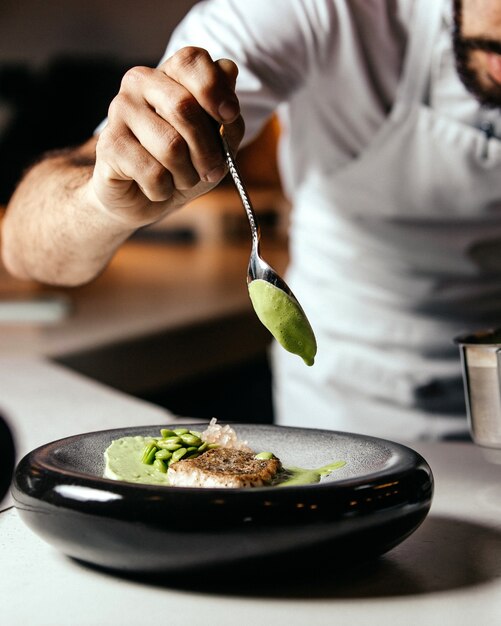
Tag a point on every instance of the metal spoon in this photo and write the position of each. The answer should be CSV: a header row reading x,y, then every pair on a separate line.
x,y
279,310
257,268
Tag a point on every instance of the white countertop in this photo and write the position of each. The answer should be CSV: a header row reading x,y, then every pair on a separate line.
x,y
42,401
447,572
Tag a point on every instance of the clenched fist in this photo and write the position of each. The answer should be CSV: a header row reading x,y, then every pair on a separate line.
x,y
161,147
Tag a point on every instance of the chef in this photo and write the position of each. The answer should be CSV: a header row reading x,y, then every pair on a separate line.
x,y
389,153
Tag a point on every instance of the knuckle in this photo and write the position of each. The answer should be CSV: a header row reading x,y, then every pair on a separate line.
x,y
118,105
113,143
153,180
133,76
106,142
189,56
174,147
121,143
188,109
155,174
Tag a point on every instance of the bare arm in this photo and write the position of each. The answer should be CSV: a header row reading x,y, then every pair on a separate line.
x,y
54,231
159,149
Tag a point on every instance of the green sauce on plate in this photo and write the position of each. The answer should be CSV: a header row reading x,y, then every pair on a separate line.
x,y
284,319
123,462
299,476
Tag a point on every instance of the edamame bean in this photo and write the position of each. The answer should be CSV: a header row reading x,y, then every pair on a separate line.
x,y
178,455
165,432
149,454
264,456
167,445
163,455
191,440
175,445
160,466
174,439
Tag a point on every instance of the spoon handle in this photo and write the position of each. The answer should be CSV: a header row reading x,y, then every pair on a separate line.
x,y
244,196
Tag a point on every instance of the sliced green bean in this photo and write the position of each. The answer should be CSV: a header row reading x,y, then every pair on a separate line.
x,y
174,439
163,455
178,455
191,440
264,456
165,432
176,444
160,466
166,445
149,454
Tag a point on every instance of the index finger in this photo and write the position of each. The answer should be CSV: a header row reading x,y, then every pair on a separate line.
x,y
212,83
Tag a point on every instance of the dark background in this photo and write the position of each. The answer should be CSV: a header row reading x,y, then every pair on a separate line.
x,y
61,62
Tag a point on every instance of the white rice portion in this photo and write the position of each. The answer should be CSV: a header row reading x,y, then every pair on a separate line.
x,y
225,436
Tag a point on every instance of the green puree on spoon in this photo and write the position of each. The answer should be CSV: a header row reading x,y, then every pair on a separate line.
x,y
284,318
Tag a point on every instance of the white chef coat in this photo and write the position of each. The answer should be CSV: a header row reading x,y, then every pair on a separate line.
x,y
395,193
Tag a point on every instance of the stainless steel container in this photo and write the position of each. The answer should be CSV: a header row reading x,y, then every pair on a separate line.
x,y
481,364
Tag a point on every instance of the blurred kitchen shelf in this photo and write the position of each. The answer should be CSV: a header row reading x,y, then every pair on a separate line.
x,y
218,216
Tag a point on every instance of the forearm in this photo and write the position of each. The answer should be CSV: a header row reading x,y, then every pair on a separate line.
x,y
55,230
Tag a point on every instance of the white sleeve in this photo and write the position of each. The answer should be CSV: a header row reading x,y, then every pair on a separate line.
x,y
275,43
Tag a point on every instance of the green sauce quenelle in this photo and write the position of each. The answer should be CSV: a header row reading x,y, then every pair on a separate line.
x,y
285,320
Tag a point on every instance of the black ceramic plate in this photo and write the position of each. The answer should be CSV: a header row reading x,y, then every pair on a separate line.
x,y
375,501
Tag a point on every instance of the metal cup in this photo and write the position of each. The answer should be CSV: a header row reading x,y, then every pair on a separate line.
x,y
481,365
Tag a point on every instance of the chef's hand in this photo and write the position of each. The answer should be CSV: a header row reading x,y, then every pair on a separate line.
x,y
161,147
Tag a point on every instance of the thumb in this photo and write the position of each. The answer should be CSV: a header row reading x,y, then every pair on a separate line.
x,y
230,71
234,131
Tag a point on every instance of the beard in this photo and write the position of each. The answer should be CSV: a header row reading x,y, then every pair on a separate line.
x,y
464,47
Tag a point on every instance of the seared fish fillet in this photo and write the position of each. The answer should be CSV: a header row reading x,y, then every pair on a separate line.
x,y
223,467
